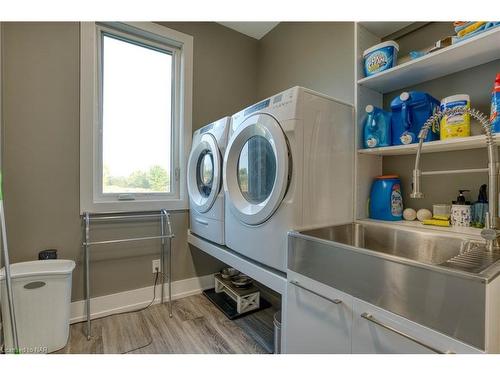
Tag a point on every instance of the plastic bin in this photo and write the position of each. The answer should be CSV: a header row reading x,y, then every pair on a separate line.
x,y
42,297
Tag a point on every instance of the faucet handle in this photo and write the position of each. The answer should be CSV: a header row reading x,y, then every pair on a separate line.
x,y
489,233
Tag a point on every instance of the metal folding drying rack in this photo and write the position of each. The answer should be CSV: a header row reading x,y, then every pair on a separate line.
x,y
165,225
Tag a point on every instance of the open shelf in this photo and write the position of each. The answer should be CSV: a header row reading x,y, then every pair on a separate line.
x,y
475,51
271,278
453,144
463,231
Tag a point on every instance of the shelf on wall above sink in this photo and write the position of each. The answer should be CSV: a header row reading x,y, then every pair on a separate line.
x,y
472,52
453,144
464,231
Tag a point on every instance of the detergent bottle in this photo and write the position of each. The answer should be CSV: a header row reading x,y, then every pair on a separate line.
x,y
495,105
377,128
410,111
386,199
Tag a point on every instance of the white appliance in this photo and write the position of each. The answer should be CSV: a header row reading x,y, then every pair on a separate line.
x,y
204,180
288,165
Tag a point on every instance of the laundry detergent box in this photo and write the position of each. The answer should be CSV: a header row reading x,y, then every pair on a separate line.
x,y
380,57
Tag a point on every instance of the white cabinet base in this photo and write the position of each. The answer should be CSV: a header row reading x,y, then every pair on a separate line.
x,y
377,331
320,319
316,322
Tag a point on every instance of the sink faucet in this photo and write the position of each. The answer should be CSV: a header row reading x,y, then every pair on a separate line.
x,y
491,233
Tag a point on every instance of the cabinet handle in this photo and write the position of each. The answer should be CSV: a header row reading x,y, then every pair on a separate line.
x,y
370,318
335,301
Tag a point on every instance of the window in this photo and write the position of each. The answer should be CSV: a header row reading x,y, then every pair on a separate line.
x,y
135,117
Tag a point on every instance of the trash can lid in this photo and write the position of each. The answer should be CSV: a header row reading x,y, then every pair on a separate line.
x,y
40,268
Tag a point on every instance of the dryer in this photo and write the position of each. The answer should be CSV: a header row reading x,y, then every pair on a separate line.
x,y
204,181
288,166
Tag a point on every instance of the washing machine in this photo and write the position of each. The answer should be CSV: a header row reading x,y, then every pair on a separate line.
x,y
288,165
204,181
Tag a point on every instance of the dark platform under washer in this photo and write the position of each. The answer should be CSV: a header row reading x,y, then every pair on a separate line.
x,y
228,306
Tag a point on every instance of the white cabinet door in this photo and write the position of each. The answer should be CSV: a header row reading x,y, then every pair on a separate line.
x,y
379,331
318,319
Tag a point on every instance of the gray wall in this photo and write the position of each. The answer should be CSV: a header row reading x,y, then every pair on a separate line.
x,y
41,147
477,82
316,55
41,131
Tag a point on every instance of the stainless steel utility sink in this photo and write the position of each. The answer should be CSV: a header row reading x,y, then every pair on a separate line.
x,y
428,247
434,278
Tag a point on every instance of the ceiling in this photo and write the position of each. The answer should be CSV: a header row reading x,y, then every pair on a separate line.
x,y
254,29
258,29
382,29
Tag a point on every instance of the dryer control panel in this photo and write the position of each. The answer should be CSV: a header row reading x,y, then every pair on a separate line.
x,y
276,105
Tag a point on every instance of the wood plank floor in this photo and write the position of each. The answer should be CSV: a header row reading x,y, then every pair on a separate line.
x,y
197,326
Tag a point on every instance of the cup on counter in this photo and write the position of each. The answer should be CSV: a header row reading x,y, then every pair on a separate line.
x,y
461,215
441,210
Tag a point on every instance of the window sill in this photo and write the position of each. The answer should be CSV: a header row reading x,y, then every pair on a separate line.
x,y
133,206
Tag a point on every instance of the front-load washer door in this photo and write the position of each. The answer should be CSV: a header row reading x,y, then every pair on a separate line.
x,y
256,169
204,173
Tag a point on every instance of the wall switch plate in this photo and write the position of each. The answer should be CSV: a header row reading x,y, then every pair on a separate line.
x,y
156,265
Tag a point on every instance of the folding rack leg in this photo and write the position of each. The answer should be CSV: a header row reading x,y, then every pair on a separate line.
x,y
169,275
162,255
86,247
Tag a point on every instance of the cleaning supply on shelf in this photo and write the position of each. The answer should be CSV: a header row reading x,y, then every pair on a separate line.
x,y
441,211
461,211
495,105
424,214
469,29
410,110
417,54
437,222
377,128
380,57
440,216
409,214
458,125
386,199
442,43
479,208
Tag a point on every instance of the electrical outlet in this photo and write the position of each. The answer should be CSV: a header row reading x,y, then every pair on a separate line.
x,y
156,265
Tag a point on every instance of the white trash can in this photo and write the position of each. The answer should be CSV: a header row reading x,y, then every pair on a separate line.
x,y
42,297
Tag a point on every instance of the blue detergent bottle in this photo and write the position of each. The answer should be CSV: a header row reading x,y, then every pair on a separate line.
x,y
377,128
495,105
386,199
410,111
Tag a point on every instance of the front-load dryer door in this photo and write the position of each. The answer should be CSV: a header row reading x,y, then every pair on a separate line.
x,y
256,169
204,173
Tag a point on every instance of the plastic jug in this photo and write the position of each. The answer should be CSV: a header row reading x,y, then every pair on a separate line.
x,y
410,110
377,128
386,199
495,105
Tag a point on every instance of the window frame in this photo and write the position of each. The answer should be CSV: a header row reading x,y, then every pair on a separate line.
x,y
154,36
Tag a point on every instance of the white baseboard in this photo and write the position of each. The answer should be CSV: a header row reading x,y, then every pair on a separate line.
x,y
137,298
